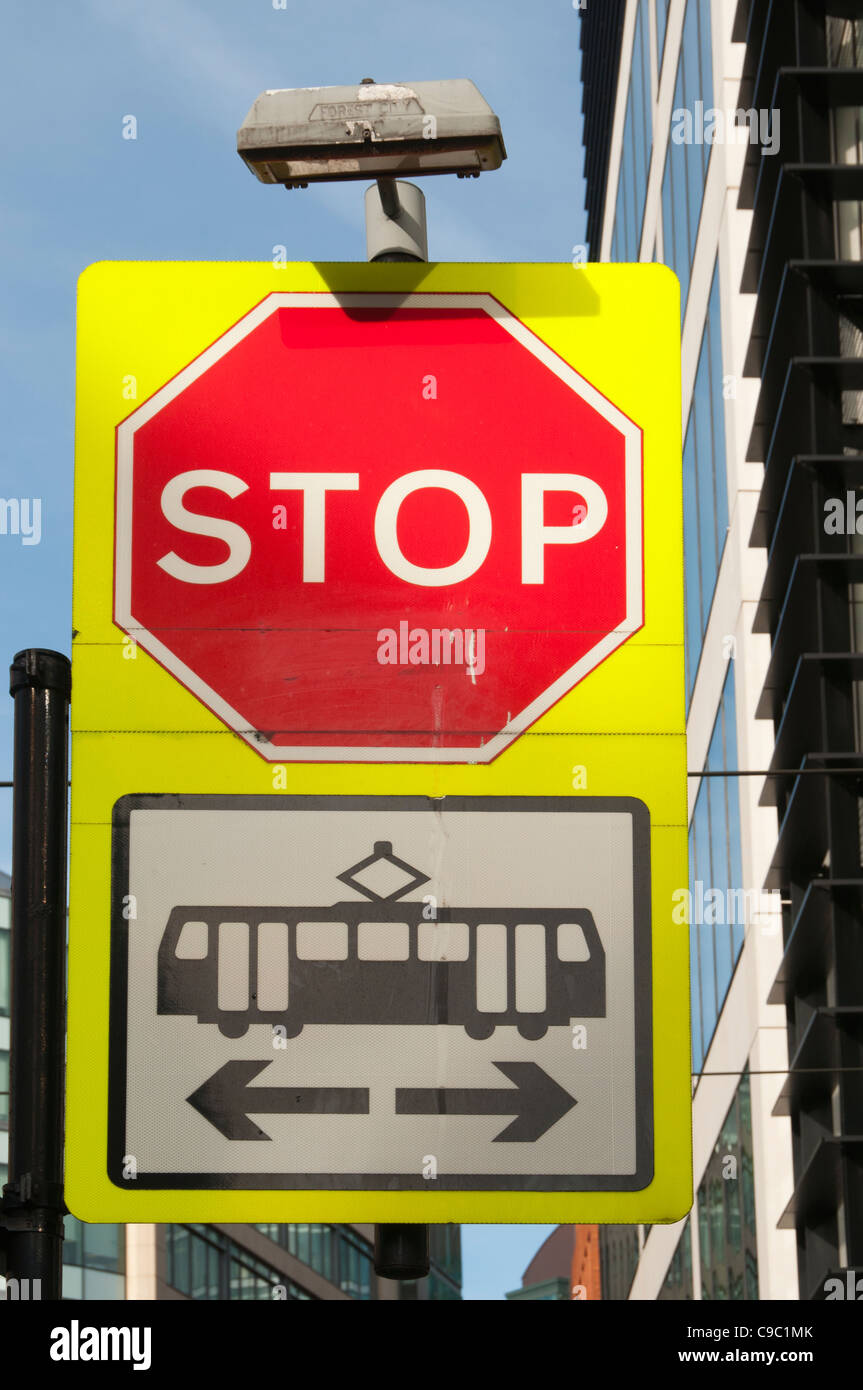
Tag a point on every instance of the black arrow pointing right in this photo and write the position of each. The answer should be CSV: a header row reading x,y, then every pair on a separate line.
x,y
537,1102
227,1100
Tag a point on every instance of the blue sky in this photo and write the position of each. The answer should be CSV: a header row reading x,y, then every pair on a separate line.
x,y
75,191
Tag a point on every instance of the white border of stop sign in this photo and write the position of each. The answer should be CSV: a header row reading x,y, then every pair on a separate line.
x,y
533,485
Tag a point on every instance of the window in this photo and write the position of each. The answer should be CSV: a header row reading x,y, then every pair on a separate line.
x,y
4,1088
321,1250
705,486
104,1247
383,941
97,1247
355,1273
192,941
571,942
661,25
322,941
845,50
203,1263
618,1259
443,1283
441,1290
302,1248
715,874
844,42
688,154
336,1252
94,1260
726,1209
445,1255
443,941
179,1258
350,1272
637,147
677,1284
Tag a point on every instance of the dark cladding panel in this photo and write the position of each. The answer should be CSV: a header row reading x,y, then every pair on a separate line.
x,y
805,59
601,31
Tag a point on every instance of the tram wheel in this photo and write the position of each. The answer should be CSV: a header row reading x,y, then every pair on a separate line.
x,y
532,1029
233,1027
479,1029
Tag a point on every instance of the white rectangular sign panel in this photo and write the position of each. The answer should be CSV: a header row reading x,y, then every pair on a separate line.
x,y
381,992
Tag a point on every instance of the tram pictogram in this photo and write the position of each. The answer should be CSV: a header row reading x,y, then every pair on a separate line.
x,y
383,960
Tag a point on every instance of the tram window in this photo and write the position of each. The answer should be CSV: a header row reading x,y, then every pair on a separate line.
x,y
273,966
491,967
383,941
232,986
571,942
443,941
530,990
322,940
192,941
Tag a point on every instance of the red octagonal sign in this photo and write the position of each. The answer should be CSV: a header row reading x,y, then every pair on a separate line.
x,y
379,527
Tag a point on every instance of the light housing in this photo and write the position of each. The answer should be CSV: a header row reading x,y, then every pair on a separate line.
x,y
370,130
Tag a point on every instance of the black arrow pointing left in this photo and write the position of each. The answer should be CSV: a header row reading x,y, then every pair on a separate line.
x,y
227,1100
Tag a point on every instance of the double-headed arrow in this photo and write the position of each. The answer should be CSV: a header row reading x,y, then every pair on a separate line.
x,y
227,1099
537,1102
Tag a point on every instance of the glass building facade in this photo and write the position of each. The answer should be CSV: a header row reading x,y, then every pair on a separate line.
x,y
443,1283
204,1263
336,1252
726,1208
705,487
715,858
691,222
716,929
618,1260
688,155
661,26
94,1260
637,144
677,1285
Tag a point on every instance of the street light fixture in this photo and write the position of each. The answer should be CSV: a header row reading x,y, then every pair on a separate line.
x,y
374,130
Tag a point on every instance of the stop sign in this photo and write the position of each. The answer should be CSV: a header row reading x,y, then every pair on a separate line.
x,y
379,527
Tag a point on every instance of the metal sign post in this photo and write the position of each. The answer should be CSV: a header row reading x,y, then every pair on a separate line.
x,y
33,1207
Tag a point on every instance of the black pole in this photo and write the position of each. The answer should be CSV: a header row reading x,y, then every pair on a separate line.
x,y
402,1252
40,684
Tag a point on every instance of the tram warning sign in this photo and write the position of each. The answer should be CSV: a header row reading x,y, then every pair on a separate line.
x,y
478,1001
378,775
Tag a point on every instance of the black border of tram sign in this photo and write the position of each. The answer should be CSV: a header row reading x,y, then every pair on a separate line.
x,y
342,1182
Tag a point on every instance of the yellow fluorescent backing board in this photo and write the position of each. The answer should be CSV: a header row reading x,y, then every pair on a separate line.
x,y
378,769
